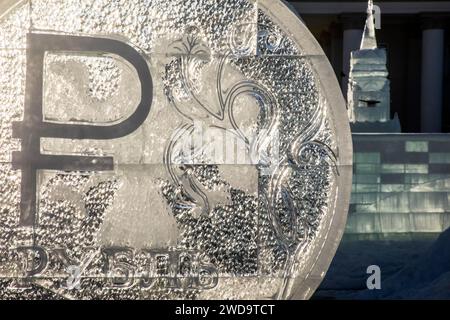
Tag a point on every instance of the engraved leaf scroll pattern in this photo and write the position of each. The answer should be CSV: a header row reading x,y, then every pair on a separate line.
x,y
307,151
182,83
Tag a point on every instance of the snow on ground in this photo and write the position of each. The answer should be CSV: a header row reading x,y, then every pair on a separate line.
x,y
417,268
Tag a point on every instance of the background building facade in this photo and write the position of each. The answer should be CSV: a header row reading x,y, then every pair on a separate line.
x,y
400,206
417,39
401,181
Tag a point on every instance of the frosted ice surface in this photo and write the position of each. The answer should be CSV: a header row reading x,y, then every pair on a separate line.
x,y
217,67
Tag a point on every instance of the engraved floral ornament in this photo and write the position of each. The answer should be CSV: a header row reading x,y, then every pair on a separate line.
x,y
306,152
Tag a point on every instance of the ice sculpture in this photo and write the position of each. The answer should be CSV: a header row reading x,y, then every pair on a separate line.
x,y
160,149
369,86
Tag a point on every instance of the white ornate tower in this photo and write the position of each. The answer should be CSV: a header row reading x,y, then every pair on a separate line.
x,y
369,86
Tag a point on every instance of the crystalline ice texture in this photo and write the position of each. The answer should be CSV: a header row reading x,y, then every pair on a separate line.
x,y
218,67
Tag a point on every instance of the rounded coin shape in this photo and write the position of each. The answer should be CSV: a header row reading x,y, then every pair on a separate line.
x,y
160,149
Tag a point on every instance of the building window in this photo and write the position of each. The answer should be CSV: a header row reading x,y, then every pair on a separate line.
x,y
416,146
